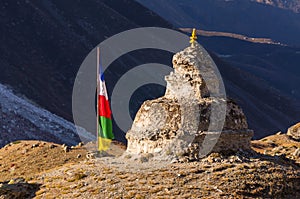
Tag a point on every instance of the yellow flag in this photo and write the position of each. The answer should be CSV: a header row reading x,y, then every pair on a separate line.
x,y
103,143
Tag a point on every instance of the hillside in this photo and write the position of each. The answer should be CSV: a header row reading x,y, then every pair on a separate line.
x,y
21,119
231,35
293,5
254,45
241,17
24,158
52,172
256,79
43,46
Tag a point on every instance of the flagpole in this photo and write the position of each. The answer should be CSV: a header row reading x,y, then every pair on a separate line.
x,y
97,103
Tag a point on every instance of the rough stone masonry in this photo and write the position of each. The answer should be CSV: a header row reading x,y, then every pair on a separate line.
x,y
186,123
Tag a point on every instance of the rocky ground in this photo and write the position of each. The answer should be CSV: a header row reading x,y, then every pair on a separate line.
x,y
25,158
35,169
280,145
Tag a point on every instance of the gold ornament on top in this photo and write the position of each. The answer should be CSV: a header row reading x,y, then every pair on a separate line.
x,y
193,38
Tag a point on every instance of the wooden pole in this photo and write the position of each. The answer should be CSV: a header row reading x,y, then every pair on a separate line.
x,y
97,111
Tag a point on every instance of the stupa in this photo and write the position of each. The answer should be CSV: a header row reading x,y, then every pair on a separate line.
x,y
193,118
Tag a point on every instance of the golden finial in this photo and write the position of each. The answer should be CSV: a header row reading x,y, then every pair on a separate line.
x,y
194,36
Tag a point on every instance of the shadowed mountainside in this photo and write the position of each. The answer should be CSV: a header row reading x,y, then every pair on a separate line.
x,y
242,17
293,5
43,44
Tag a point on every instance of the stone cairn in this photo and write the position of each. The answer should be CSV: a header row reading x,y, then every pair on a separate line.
x,y
180,124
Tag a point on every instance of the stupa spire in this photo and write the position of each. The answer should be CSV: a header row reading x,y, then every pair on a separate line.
x,y
193,38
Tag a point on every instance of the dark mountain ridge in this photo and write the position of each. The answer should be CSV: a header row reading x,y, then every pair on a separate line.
x,y
293,5
242,17
44,42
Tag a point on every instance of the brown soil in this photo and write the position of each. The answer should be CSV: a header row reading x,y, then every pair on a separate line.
x,y
26,158
278,145
52,173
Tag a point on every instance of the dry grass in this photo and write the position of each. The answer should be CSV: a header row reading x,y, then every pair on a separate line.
x,y
277,145
259,177
256,176
20,159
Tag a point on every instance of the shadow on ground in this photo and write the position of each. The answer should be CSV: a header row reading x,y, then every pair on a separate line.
x,y
18,190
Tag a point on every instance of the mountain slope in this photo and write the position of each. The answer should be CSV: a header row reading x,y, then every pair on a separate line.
x,y
266,108
22,120
242,17
43,44
245,174
293,5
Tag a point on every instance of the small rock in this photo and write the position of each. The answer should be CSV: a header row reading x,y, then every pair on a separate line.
x,y
210,159
183,159
80,144
79,156
52,146
20,180
239,159
277,149
127,156
279,133
297,153
90,155
35,145
272,143
143,159
66,149
17,180
12,181
24,151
